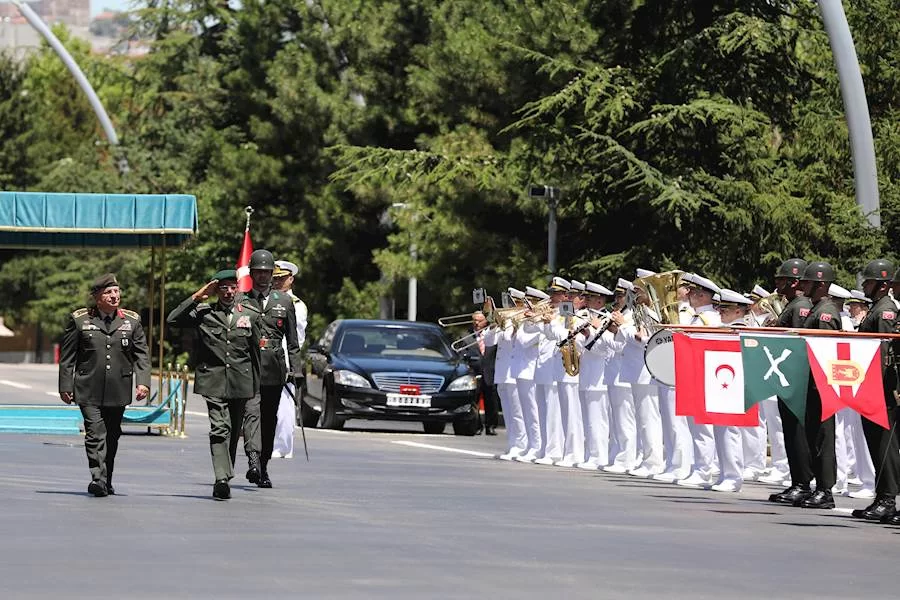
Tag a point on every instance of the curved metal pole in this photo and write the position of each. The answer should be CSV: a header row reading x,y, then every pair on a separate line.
x,y
35,21
862,147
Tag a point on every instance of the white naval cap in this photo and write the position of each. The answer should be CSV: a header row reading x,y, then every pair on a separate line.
x,y
699,281
595,289
644,273
759,291
514,293
536,293
286,265
624,285
858,296
836,291
577,286
731,298
558,284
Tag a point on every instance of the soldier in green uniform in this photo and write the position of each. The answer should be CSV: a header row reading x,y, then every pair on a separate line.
x,y
817,277
227,366
103,353
787,283
277,321
882,443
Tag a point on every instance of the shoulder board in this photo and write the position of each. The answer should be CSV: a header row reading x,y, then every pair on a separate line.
x,y
825,317
704,318
249,306
130,313
804,312
275,296
888,315
296,300
80,313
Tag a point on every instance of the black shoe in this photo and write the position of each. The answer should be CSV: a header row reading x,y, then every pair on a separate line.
x,y
820,499
882,507
98,489
253,475
893,519
264,481
490,431
791,495
221,491
110,489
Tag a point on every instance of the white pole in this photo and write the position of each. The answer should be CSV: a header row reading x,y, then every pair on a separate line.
x,y
413,286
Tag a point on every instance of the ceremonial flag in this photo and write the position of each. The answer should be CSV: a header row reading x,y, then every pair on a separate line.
x,y
245,284
709,381
775,365
847,373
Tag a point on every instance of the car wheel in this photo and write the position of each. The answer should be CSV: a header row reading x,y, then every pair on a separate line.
x,y
330,419
307,415
433,426
468,426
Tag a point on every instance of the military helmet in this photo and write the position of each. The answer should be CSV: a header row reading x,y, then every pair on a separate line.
x,y
792,268
818,271
879,270
896,278
263,260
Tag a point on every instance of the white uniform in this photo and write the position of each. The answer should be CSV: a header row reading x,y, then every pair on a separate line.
x,y
283,446
622,409
569,398
552,432
516,438
677,439
528,339
593,389
730,451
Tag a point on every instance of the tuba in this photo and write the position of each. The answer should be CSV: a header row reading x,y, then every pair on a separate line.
x,y
662,289
773,304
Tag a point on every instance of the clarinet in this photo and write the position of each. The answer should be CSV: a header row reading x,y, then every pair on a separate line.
x,y
603,329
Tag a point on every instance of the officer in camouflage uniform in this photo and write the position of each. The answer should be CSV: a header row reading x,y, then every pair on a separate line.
x,y
227,366
277,321
787,283
817,277
103,352
882,443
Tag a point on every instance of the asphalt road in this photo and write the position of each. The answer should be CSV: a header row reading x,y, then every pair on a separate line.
x,y
383,512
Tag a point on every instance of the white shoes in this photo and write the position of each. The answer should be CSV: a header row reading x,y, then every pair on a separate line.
x,y
528,457
774,477
669,476
590,465
866,493
511,454
565,462
616,469
546,460
840,489
643,471
854,480
726,486
696,480
750,474
277,454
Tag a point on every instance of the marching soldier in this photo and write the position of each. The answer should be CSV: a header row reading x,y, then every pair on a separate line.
x,y
283,281
227,366
103,352
528,337
277,321
621,401
882,443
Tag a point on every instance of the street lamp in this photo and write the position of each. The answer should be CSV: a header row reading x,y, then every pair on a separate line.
x,y
413,289
551,195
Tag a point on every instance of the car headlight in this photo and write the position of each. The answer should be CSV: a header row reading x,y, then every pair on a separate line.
x,y
466,383
351,379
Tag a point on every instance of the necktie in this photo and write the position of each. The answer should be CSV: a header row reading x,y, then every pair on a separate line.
x,y
481,342
108,320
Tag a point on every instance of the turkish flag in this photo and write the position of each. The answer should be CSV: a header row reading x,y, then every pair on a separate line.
x,y
245,284
709,381
848,374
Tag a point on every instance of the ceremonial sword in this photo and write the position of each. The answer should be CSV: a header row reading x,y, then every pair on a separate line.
x,y
302,430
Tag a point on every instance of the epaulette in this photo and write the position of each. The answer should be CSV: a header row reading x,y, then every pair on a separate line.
x,y
130,313
249,306
80,313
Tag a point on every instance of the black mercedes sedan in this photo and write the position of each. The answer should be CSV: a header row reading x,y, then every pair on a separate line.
x,y
389,370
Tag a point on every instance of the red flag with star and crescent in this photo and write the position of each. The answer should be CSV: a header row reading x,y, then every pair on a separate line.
x,y
243,263
848,375
709,381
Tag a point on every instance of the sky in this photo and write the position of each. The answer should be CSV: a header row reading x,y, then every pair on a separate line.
x,y
98,6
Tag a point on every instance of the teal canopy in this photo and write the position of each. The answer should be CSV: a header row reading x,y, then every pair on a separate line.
x,y
34,219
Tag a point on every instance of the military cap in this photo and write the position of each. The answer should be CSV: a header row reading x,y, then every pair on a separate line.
x,y
696,281
595,289
284,268
644,273
535,293
225,275
514,293
858,297
623,285
730,298
759,292
104,281
558,284
836,291
576,286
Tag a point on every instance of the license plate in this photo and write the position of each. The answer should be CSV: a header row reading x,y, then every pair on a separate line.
x,y
406,400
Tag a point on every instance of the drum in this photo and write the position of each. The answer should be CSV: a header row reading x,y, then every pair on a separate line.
x,y
659,356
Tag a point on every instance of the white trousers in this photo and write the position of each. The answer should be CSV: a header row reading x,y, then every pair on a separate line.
x,y
704,447
769,410
753,442
595,412
624,427
287,420
516,438
551,422
849,431
531,416
649,425
679,447
730,450
572,423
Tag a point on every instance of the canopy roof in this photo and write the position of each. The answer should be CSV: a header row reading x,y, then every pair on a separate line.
x,y
39,220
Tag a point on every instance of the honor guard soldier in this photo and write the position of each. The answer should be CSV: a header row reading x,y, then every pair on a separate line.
x,y
787,283
277,321
882,443
227,366
817,277
103,353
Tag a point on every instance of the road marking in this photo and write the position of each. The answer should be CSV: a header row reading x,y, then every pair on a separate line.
x,y
14,384
445,449
54,394
846,511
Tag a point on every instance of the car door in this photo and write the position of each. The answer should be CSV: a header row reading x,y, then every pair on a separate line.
x,y
318,357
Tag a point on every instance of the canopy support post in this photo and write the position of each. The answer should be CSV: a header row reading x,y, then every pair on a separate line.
x,y
162,311
152,304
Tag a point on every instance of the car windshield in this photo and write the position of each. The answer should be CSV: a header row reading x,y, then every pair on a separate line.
x,y
393,342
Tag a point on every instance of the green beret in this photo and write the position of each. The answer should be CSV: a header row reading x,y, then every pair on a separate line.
x,y
103,282
225,274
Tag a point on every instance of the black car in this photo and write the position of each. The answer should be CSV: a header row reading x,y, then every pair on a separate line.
x,y
389,370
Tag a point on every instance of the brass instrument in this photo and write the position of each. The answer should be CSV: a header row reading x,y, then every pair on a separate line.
x,y
773,304
568,351
662,290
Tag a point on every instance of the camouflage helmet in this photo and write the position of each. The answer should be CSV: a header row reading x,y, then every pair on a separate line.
x,y
879,270
792,268
818,271
263,260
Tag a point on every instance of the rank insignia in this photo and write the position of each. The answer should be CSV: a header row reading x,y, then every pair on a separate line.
x,y
126,326
243,322
263,342
825,317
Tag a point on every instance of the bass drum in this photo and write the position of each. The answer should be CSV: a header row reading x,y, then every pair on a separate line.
x,y
659,356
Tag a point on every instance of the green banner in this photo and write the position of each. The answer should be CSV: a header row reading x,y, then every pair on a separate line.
x,y
775,365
